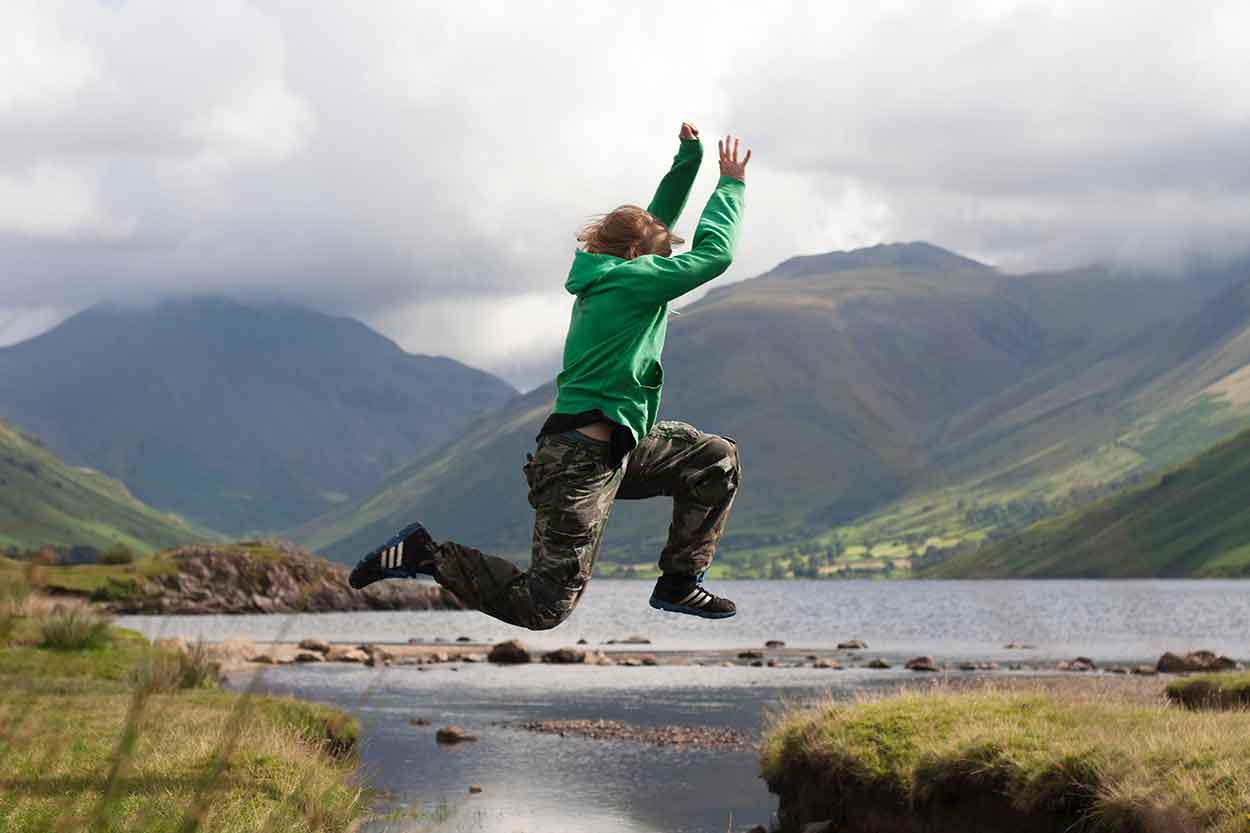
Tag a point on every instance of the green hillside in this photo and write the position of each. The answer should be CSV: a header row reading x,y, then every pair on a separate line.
x,y
1193,521
885,401
43,501
242,417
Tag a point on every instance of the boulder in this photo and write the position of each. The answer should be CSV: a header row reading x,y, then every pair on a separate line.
x,y
582,642
852,645
512,652
878,663
264,658
309,656
453,734
475,788
172,644
751,655
343,653
1171,663
463,639
1146,670
774,643
826,663
565,656
648,659
473,657
630,640
921,664
772,663
318,645
234,649
1078,664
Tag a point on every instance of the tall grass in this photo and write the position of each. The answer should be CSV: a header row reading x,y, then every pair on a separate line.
x,y
169,671
75,629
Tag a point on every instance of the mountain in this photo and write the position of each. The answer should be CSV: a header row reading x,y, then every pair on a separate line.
x,y
241,417
43,501
1192,521
878,387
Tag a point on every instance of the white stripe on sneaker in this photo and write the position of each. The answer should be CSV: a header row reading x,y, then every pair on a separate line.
x,y
690,596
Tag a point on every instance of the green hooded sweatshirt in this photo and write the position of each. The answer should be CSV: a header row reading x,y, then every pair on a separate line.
x,y
620,317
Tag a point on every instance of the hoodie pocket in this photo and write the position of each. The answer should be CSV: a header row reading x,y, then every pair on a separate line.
x,y
653,376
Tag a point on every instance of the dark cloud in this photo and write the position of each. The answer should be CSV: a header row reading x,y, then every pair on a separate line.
x,y
424,166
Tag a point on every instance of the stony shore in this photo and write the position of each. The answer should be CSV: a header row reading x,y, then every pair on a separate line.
x,y
240,653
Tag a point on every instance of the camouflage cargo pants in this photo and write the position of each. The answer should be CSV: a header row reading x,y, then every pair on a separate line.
x,y
572,486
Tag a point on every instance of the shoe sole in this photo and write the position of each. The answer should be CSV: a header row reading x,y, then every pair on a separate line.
x,y
660,604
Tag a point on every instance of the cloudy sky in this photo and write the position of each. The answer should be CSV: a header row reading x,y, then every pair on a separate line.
x,y
423,166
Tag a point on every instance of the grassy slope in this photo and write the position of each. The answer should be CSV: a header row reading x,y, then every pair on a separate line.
x,y
1119,766
1193,520
83,749
45,501
878,410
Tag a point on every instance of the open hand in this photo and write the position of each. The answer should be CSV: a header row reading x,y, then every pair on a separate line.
x,y
729,164
688,131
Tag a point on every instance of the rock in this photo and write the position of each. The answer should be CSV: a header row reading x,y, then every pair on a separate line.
x,y
630,640
1015,666
878,663
172,644
234,649
1171,663
565,656
774,643
309,656
475,788
418,721
318,645
772,663
852,645
757,663
582,642
342,653
1146,670
512,652
453,734
826,663
463,639
630,662
1019,646
1078,664
921,664
473,657
264,658
377,655
648,659
751,655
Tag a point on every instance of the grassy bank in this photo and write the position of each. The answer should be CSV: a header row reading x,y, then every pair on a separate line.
x,y
1013,760
101,732
1212,691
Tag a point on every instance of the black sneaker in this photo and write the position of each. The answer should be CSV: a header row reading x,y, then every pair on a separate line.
x,y
685,594
408,554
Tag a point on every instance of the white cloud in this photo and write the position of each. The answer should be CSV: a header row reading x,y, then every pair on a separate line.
x,y
424,166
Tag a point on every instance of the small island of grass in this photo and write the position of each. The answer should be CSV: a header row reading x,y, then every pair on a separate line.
x,y
993,760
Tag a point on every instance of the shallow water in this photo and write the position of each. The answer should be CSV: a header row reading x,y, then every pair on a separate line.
x,y
551,784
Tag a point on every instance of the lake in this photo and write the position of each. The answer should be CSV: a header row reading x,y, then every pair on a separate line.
x,y
550,784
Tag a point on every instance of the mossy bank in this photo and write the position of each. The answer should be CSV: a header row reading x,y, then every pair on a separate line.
x,y
244,577
994,760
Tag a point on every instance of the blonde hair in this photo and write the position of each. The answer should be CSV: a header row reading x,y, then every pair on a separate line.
x,y
628,232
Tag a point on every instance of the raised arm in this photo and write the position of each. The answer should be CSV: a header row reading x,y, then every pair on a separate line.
x,y
657,279
670,196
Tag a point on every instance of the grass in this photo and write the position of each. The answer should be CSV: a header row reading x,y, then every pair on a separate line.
x,y
1108,766
115,735
1212,691
75,629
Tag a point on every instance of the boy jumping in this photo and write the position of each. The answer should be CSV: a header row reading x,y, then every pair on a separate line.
x,y
602,441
